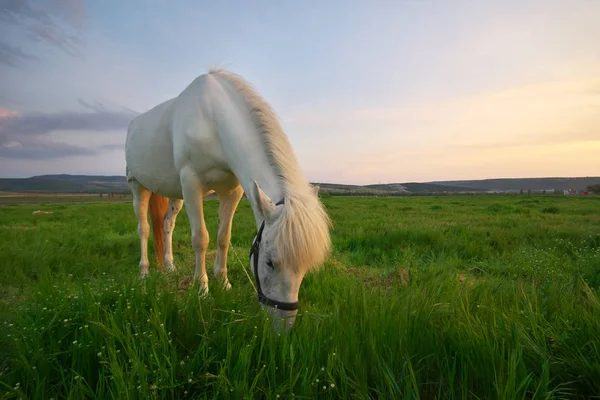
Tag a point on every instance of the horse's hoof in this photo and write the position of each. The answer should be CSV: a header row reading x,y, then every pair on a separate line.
x,y
203,292
170,268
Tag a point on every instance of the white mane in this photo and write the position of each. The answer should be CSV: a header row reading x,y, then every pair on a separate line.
x,y
303,228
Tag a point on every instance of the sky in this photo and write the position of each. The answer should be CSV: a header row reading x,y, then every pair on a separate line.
x,y
366,91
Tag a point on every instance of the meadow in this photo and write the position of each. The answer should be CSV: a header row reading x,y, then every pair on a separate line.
x,y
449,297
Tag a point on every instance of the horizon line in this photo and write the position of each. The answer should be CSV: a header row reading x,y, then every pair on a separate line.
x,y
354,184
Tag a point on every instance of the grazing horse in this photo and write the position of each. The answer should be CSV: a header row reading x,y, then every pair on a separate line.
x,y
219,135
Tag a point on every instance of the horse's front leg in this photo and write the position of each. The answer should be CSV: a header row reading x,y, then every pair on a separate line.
x,y
228,202
169,225
193,193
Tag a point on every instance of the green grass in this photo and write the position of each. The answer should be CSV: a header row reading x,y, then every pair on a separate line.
x,y
423,297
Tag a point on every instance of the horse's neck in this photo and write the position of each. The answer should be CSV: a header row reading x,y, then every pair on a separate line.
x,y
248,159
245,149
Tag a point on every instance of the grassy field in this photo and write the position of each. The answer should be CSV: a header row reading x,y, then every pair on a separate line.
x,y
423,297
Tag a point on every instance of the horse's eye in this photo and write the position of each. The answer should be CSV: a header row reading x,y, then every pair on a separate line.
x,y
270,264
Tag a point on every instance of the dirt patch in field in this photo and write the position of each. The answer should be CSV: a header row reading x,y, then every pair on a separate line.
x,y
463,278
18,227
400,277
185,283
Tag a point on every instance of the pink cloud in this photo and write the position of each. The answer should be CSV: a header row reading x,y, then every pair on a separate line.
x,y
5,113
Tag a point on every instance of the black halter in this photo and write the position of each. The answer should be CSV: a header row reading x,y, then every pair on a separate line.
x,y
261,296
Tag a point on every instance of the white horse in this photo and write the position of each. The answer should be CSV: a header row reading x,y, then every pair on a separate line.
x,y
219,135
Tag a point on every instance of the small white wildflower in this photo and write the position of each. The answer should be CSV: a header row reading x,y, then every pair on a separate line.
x,y
190,380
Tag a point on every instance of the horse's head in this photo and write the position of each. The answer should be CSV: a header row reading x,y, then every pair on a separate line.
x,y
286,246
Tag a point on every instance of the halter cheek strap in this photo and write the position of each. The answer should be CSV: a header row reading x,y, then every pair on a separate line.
x,y
254,251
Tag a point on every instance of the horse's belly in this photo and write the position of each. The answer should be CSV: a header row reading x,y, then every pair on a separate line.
x,y
150,162
165,184
220,180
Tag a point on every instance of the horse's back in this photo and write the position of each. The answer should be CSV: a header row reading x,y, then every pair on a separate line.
x,y
180,133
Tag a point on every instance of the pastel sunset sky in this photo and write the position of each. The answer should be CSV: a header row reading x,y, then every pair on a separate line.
x,y
367,91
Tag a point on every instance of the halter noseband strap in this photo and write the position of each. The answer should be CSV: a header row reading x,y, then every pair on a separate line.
x,y
254,251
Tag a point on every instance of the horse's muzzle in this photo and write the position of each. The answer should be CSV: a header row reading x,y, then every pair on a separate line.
x,y
283,320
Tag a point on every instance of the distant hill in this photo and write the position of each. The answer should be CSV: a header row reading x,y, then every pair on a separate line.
x,y
66,184
117,184
418,187
537,184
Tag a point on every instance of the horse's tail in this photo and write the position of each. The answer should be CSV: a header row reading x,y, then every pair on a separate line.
x,y
158,209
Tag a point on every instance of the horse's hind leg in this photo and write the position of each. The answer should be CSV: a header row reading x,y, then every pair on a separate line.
x,y
141,199
228,202
169,225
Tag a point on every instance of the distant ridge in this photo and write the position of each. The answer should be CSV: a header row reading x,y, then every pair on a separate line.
x,y
65,183
537,184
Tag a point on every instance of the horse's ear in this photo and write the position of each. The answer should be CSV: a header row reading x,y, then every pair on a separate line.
x,y
265,205
315,189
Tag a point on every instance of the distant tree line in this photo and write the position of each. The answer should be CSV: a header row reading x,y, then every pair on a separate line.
x,y
594,189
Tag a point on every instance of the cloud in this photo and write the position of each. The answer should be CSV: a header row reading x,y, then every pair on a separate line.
x,y
39,149
5,113
28,136
71,11
44,24
13,56
54,36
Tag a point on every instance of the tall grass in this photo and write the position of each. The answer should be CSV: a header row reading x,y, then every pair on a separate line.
x,y
451,297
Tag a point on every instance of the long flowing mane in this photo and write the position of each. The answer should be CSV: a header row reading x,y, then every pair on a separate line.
x,y
302,229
